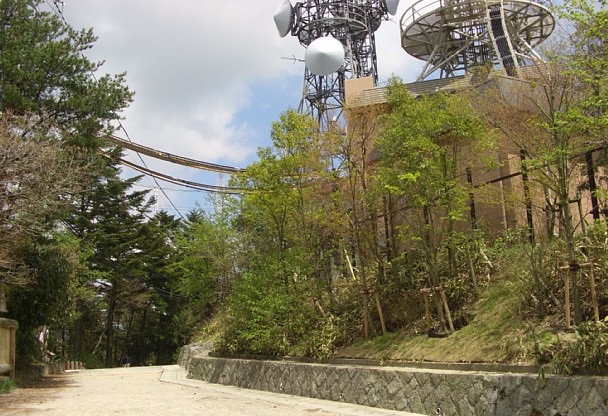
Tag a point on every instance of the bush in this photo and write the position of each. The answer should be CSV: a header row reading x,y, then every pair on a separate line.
x,y
6,385
90,361
588,353
262,318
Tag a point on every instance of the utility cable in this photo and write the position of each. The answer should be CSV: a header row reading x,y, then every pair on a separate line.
x,y
168,157
176,181
61,15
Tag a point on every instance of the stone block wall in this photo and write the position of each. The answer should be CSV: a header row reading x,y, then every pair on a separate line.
x,y
427,392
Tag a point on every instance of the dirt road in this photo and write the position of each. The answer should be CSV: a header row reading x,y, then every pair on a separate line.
x,y
152,391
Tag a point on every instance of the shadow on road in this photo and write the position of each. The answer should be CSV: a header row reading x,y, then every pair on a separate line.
x,y
31,388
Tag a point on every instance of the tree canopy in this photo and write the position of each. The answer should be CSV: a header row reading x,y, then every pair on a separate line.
x,y
337,235
43,71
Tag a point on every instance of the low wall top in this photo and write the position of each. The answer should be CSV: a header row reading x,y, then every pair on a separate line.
x,y
8,323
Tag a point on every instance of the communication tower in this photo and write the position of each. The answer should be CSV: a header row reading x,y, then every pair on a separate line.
x,y
339,39
453,36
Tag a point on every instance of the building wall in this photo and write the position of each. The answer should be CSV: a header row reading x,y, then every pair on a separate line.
x,y
500,204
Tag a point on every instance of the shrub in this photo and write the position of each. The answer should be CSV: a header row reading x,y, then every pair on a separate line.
x,y
588,353
6,385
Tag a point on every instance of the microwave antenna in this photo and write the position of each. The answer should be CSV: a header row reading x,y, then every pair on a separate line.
x,y
339,39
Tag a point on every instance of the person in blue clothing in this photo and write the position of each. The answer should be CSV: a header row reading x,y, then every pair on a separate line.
x,y
126,362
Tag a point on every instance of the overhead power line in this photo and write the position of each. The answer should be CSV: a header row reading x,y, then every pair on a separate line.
x,y
168,157
176,181
58,6
153,177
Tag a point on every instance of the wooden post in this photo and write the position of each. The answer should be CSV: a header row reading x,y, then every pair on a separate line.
x,y
366,317
567,295
13,343
444,299
380,313
426,292
472,272
596,311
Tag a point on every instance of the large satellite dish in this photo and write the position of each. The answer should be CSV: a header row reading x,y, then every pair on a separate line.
x,y
284,18
391,6
454,37
324,56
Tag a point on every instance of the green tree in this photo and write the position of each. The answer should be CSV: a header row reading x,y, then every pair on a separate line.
x,y
281,225
587,60
43,71
280,203
425,145
49,101
159,333
45,307
208,263
359,206
556,116
109,218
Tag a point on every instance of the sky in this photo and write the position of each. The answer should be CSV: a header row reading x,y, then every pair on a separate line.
x,y
209,78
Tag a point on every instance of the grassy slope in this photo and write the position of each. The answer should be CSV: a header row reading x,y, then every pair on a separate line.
x,y
498,332
495,334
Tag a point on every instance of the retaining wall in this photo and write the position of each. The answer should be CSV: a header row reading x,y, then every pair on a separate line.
x,y
428,392
58,367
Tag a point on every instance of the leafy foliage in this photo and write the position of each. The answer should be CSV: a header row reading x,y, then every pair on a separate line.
x,y
47,301
44,72
6,385
587,353
329,239
38,179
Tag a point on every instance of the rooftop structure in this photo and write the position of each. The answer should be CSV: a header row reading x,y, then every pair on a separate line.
x,y
453,36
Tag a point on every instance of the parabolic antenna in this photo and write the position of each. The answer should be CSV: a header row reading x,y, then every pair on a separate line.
x,y
340,45
456,36
324,56
391,6
284,18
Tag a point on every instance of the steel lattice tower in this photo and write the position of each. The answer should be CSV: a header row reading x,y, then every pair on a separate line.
x,y
352,23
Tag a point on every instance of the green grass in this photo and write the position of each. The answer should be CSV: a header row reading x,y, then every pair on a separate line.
x,y
6,385
496,334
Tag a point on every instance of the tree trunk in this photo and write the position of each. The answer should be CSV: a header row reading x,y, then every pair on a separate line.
x,y
432,264
123,353
78,332
109,361
569,231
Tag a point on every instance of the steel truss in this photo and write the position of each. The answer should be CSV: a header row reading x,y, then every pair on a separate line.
x,y
453,36
353,23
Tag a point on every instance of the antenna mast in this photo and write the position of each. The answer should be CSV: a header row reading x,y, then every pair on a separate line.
x,y
340,44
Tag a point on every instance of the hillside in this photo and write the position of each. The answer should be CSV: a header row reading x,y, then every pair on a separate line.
x,y
496,334
518,319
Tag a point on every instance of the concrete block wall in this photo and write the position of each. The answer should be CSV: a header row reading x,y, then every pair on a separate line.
x,y
428,392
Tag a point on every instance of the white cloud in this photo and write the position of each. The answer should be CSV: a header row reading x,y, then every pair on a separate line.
x,y
392,59
197,66
191,64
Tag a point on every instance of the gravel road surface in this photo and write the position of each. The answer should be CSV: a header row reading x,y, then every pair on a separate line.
x,y
152,391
